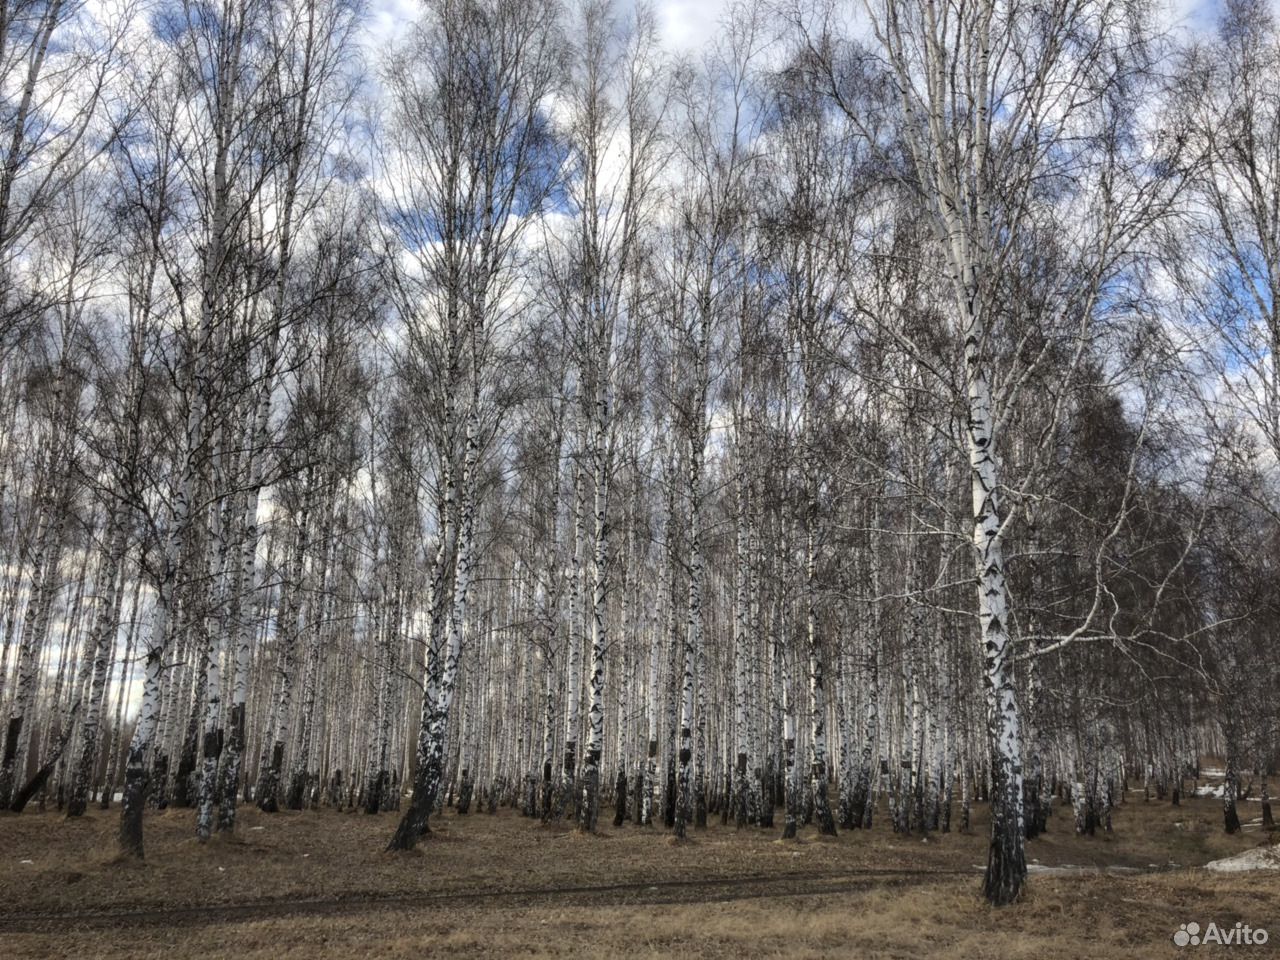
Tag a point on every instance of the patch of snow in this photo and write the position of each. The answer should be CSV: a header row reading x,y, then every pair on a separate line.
x,y
1074,870
1208,791
1066,870
1259,858
1070,869
26,861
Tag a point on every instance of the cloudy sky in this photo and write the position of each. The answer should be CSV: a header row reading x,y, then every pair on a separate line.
x,y
687,24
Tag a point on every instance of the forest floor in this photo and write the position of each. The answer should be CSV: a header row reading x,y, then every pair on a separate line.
x,y
317,884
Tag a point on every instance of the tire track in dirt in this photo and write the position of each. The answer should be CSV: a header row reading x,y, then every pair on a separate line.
x,y
632,893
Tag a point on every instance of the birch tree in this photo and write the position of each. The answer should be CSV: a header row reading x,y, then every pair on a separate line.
x,y
972,124
473,153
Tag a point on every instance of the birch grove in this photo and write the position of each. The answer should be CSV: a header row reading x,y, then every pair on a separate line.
x,y
870,415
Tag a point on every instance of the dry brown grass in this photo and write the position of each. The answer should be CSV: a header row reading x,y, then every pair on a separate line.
x,y
318,884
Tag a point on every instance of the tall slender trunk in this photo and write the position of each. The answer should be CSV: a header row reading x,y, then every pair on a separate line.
x,y
791,786
649,794
1231,787
686,786
432,745
600,456
302,757
1006,860
817,701
870,736
741,639
102,642
247,589
290,626
573,693
215,625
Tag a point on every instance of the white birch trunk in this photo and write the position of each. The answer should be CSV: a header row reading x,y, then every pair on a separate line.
x,y
600,457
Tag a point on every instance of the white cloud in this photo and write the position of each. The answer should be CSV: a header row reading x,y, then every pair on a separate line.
x,y
385,22
688,25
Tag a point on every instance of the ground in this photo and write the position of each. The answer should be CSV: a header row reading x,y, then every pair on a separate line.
x,y
317,884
